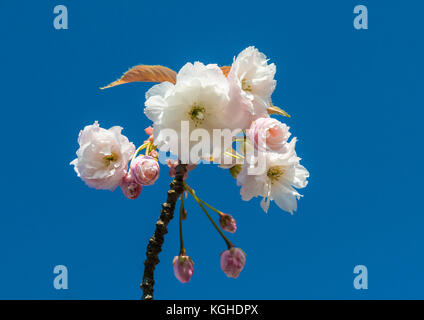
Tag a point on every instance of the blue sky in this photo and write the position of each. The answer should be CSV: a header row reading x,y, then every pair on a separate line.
x,y
356,102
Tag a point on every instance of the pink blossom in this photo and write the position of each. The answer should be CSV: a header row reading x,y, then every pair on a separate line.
x,y
228,223
183,268
130,188
232,262
145,170
102,157
269,134
251,82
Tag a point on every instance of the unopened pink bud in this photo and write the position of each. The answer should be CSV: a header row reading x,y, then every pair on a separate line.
x,y
130,188
154,154
149,131
183,268
228,223
145,170
232,262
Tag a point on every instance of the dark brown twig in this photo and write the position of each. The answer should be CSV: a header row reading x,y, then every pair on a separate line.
x,y
155,243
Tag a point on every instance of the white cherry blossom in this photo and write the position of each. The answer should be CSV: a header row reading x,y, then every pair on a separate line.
x,y
103,156
277,180
251,81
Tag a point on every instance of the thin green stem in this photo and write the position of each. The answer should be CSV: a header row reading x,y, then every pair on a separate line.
x,y
209,206
191,191
148,148
182,248
212,208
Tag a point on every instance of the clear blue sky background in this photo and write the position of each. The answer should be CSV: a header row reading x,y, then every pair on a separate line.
x,y
356,99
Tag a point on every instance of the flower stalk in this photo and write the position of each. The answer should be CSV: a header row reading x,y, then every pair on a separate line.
x,y
209,206
193,194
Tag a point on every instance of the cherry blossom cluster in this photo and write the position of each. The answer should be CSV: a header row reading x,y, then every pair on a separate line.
x,y
259,154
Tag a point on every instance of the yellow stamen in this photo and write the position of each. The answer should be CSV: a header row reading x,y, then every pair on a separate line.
x,y
110,158
197,114
275,173
245,86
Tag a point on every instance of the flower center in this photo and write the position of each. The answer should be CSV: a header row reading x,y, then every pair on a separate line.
x,y
245,86
197,114
274,131
275,173
110,158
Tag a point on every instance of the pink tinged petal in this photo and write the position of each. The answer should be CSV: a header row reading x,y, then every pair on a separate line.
x,y
149,131
228,223
252,67
232,262
154,154
269,134
145,170
130,188
95,144
183,268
